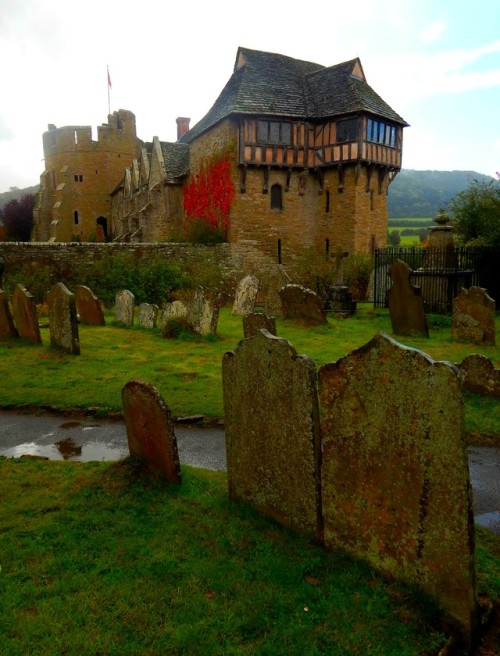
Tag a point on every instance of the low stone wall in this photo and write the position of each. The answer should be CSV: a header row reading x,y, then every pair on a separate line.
x,y
66,254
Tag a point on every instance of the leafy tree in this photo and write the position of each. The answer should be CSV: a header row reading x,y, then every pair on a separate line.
x,y
17,218
394,238
475,213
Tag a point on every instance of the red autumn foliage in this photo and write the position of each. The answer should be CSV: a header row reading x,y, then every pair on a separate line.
x,y
208,196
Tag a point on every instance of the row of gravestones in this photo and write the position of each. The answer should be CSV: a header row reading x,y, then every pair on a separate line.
x,y
200,312
367,454
473,311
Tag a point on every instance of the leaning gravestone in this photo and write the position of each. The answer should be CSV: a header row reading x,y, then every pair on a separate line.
x,y
7,327
480,375
63,324
406,307
88,306
301,303
275,278
253,322
395,478
272,431
124,307
25,315
246,295
150,430
473,318
147,315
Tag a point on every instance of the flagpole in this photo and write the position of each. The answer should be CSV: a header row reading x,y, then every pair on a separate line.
x,y
109,88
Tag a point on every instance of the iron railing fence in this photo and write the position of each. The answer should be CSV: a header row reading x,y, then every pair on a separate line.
x,y
440,273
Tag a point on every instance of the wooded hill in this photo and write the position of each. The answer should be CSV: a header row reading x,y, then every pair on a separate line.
x,y
15,193
424,193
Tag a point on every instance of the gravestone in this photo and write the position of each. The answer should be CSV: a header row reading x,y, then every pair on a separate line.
x,y
246,295
150,430
25,314
174,310
272,430
63,324
301,303
7,327
473,318
395,478
406,307
275,279
147,315
479,375
339,299
88,306
203,311
254,321
124,307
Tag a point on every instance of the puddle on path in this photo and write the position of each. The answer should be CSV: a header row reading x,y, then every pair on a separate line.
x,y
68,450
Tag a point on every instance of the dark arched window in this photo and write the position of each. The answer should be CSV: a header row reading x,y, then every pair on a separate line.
x,y
276,197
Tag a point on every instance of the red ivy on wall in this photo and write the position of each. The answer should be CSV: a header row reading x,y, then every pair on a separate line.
x,y
208,195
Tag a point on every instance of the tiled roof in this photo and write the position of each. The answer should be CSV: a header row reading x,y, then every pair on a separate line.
x,y
176,157
270,84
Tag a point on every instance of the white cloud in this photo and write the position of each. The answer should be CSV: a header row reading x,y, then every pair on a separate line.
x,y
433,32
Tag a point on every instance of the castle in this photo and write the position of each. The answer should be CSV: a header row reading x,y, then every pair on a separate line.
x,y
292,155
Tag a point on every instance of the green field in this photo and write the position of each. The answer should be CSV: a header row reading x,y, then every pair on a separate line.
x,y
409,224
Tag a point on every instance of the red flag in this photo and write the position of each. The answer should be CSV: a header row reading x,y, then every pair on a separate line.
x,y
109,80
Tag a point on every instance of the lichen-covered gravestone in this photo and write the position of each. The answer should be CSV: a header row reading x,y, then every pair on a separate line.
x,y
63,324
473,318
147,315
246,295
395,478
150,430
254,321
203,311
25,315
124,307
88,306
174,310
272,431
7,327
406,307
480,375
298,302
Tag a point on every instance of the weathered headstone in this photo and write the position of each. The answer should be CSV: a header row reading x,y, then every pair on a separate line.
x,y
203,311
174,310
395,479
7,327
124,307
254,321
301,303
479,375
150,430
88,306
246,295
276,278
272,430
63,324
406,307
473,318
147,315
25,314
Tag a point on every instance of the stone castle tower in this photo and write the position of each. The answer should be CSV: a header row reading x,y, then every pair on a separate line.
x,y
74,202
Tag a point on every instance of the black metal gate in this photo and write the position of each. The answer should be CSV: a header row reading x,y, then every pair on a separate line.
x,y
440,273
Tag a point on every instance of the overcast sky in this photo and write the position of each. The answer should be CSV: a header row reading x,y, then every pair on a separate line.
x,y
436,62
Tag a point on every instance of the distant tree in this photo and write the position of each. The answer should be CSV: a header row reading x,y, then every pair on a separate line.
x,y
394,238
475,212
17,218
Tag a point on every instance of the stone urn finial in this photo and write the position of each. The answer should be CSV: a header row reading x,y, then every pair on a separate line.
x,y
442,218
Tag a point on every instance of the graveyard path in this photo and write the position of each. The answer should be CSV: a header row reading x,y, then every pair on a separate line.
x,y
84,439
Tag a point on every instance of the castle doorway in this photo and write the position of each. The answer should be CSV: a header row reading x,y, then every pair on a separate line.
x,y
102,228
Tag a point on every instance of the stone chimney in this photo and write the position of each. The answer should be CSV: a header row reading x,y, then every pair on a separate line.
x,y
182,126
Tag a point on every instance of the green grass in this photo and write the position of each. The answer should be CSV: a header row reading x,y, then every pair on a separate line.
x,y
187,372
98,559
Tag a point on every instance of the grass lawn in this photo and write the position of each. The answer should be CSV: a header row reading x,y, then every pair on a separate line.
x,y
97,558
187,372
